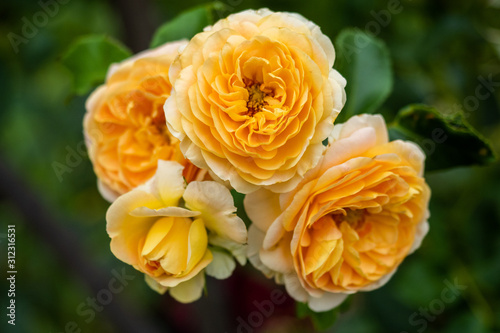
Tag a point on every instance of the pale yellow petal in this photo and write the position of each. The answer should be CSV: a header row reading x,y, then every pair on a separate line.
x,y
190,290
125,230
238,250
262,207
153,284
255,240
197,243
215,203
156,234
327,302
222,266
168,182
166,211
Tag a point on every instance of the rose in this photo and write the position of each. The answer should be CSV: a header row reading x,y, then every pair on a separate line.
x,y
253,98
175,233
125,126
349,224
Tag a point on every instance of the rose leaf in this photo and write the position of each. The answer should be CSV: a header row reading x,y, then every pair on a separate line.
x,y
366,64
188,23
88,59
447,141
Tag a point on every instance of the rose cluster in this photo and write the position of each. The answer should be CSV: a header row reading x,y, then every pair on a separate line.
x,y
250,104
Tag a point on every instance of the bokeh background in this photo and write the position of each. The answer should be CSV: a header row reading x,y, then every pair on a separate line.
x,y
440,51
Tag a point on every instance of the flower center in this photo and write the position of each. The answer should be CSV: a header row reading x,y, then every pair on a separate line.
x,y
159,126
354,217
255,101
153,264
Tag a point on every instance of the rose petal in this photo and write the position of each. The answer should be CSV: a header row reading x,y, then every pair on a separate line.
x,y
215,203
190,290
222,266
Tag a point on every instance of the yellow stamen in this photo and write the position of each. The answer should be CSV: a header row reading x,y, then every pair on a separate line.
x,y
255,101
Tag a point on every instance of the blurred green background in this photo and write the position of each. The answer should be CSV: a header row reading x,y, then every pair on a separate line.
x,y
441,51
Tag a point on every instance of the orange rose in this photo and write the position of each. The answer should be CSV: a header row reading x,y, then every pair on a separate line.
x,y
349,224
125,126
254,97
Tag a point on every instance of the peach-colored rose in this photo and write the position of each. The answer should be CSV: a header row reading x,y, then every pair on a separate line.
x,y
175,233
349,224
253,98
125,127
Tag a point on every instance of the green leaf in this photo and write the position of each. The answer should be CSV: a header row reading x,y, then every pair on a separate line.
x,y
188,23
447,141
321,320
240,209
88,59
366,64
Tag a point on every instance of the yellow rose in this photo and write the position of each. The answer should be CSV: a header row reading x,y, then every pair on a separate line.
x,y
125,126
175,233
349,224
253,97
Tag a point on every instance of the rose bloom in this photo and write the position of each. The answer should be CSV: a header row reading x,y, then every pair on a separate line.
x,y
253,98
125,127
349,224
175,233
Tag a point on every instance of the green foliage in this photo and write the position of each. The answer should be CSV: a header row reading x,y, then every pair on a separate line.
x,y
240,208
365,63
187,24
88,59
447,141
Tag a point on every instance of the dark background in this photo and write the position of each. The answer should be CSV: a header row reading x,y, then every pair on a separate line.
x,y
440,51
